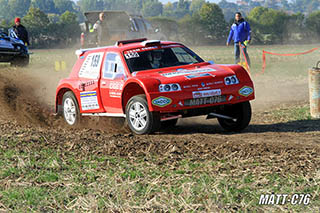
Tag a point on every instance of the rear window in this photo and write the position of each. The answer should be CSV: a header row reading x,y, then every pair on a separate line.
x,y
159,57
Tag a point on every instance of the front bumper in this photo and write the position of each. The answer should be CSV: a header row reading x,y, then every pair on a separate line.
x,y
170,102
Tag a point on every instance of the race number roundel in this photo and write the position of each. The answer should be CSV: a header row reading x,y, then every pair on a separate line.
x,y
91,66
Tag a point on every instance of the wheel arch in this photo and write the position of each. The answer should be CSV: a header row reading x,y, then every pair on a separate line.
x,y
59,97
132,89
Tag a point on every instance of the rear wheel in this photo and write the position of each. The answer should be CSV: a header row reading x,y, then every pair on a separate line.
x,y
241,114
140,120
71,111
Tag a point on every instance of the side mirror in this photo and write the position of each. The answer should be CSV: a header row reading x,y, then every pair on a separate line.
x,y
211,62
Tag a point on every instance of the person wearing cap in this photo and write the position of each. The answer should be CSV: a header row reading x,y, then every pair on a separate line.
x,y
240,33
97,27
21,31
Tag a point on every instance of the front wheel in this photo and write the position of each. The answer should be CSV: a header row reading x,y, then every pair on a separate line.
x,y
241,114
71,113
139,118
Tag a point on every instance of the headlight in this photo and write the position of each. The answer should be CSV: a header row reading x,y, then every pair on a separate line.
x,y
169,87
230,80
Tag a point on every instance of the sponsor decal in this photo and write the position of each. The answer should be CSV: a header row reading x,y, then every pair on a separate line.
x,y
206,93
245,91
161,101
91,66
198,75
181,72
131,54
204,101
89,100
116,85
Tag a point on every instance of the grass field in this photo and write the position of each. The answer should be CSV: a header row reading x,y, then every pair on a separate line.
x,y
49,169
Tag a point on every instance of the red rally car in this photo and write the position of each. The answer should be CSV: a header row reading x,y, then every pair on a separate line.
x,y
153,83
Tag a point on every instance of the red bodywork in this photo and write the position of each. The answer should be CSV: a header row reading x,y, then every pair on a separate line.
x,y
112,94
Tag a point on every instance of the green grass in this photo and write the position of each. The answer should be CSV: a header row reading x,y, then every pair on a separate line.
x,y
299,113
39,181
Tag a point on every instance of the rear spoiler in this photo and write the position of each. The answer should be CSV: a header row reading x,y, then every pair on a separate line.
x,y
124,42
144,41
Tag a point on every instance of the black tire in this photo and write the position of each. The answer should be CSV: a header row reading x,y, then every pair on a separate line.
x,y
169,124
141,122
21,61
69,98
242,114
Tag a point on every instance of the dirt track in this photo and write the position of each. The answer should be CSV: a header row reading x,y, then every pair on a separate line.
x,y
27,107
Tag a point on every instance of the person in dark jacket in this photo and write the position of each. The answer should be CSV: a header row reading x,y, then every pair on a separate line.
x,y
97,27
240,33
21,31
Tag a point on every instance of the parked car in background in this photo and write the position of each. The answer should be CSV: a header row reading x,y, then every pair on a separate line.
x,y
117,25
12,49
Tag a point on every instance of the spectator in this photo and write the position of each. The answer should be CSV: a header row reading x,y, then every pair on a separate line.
x,y
240,33
21,31
98,29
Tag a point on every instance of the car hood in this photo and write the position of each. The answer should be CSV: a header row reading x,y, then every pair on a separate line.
x,y
189,74
9,44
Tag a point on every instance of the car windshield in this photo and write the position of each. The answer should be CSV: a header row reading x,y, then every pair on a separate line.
x,y
159,57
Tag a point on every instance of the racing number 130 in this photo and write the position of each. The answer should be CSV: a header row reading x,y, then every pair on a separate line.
x,y
95,60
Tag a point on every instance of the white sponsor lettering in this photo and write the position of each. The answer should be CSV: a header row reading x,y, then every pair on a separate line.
x,y
116,85
181,72
131,54
206,93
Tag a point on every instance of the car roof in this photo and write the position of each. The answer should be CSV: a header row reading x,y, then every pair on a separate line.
x,y
121,46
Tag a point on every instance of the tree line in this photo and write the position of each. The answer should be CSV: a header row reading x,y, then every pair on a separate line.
x,y
196,22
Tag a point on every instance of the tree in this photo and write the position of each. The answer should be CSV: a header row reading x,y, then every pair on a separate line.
x,y
196,5
69,27
191,30
212,18
228,9
313,25
4,8
152,8
47,6
18,8
268,25
63,6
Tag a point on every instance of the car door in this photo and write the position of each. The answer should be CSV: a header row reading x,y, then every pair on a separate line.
x,y
111,84
88,84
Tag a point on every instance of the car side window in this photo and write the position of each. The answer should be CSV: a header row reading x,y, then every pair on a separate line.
x,y
113,66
